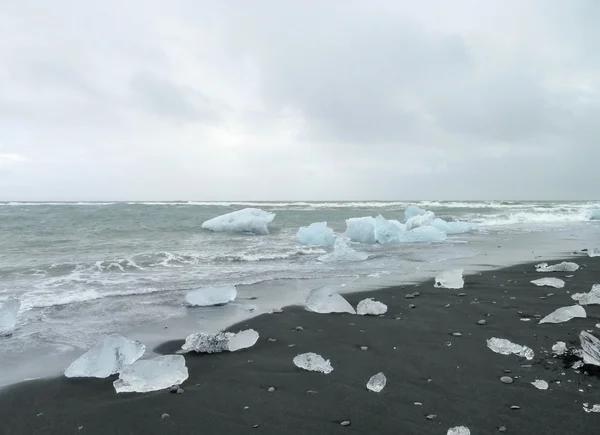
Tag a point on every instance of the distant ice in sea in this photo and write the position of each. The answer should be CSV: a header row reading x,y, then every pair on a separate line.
x,y
152,374
316,234
210,296
247,220
594,215
453,227
8,315
411,211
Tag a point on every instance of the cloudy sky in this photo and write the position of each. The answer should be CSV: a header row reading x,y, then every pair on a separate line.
x,y
311,99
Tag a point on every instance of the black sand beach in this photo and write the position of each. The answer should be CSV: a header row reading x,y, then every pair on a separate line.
x,y
457,384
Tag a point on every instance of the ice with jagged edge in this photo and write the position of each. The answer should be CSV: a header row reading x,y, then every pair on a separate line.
x,y
425,234
388,231
540,384
594,252
452,279
211,296
316,234
564,314
8,315
595,408
377,382
204,342
154,374
342,252
361,229
313,362
247,220
420,220
590,298
459,430
453,227
324,301
371,307
412,211
506,347
590,348
549,282
108,356
565,266
560,348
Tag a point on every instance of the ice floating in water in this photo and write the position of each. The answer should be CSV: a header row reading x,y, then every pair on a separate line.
x,y
420,220
459,430
560,348
361,229
316,234
564,314
370,307
411,211
8,315
313,362
424,235
152,374
324,300
107,357
377,382
203,342
506,347
549,282
388,231
591,298
209,296
594,252
565,266
247,220
540,385
590,347
595,408
450,279
594,215
453,227
342,252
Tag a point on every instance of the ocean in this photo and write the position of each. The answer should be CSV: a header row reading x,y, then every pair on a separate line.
x,y
85,269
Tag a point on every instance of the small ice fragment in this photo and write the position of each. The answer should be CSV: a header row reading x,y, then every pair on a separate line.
x,y
316,234
152,374
565,266
591,298
560,348
590,347
242,340
540,385
377,382
459,430
203,342
247,220
324,300
370,307
450,279
108,356
595,408
506,347
313,362
594,252
549,282
8,315
361,229
342,252
210,296
564,314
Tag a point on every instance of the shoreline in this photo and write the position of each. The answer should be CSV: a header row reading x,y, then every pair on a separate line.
x,y
457,383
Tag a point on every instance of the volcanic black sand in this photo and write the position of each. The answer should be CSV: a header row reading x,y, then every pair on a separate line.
x,y
455,380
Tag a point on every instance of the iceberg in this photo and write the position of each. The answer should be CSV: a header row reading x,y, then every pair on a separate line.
x,y
459,430
377,382
316,234
342,252
506,347
594,215
590,347
8,315
210,296
370,307
388,231
325,301
594,252
423,235
412,211
204,342
420,220
549,282
564,314
565,266
313,362
247,220
591,298
450,279
453,227
560,348
152,374
107,357
361,229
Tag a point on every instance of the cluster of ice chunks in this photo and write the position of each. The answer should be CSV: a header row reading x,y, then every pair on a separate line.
x,y
377,382
452,279
370,307
152,374
565,266
210,296
313,362
247,220
388,231
549,282
590,347
506,347
564,314
324,301
8,315
342,252
203,342
591,298
316,234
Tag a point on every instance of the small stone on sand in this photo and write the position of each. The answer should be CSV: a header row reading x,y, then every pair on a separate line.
x,y
180,391
502,429
345,423
410,296
457,334
412,306
299,328
271,389
165,415
482,322
462,294
364,348
515,407
506,380
431,417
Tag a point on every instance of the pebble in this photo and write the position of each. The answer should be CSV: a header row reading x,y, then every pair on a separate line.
x,y
364,348
272,339
462,294
526,366
398,318
482,322
550,294
412,306
312,391
277,310
515,407
431,417
291,345
299,328
418,404
457,334
246,407
502,429
165,415
416,294
410,296
446,306
506,371
180,391
256,426
174,389
271,389
345,423
506,380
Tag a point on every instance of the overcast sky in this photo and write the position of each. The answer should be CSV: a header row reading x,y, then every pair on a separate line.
x,y
290,99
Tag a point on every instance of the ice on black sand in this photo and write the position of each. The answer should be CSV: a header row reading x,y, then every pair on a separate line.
x,y
370,307
549,282
590,346
8,315
591,298
152,374
506,347
203,342
565,266
324,301
459,430
210,296
377,382
564,314
452,279
313,362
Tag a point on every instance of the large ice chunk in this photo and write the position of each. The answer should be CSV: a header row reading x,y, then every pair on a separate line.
x,y
313,362
591,298
459,430
8,315
413,210
342,252
564,314
565,266
594,252
590,347
453,227
450,279
549,282
152,374
377,382
247,220
107,357
242,340
204,342
209,296
370,307
420,220
361,229
506,347
324,300
423,235
316,234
